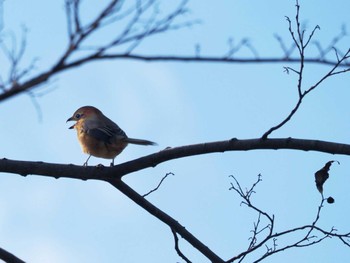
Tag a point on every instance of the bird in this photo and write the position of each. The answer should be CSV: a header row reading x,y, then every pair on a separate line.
x,y
99,136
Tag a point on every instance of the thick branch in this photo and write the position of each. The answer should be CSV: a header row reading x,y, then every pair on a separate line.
x,y
28,85
176,226
106,173
113,175
8,257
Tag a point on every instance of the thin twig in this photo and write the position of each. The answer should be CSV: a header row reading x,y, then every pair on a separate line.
x,y
157,187
299,43
177,248
165,218
308,237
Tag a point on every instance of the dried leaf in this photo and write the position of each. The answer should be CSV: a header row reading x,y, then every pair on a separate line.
x,y
322,175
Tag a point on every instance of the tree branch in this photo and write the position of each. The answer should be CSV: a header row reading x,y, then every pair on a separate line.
x,y
178,251
299,42
25,168
175,226
307,237
114,174
139,25
159,184
8,257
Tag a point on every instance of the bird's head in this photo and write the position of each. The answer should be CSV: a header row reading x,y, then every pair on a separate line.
x,y
84,113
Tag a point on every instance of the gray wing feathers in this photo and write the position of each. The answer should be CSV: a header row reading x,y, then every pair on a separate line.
x,y
105,131
108,131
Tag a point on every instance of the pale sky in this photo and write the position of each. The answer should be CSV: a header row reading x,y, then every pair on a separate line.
x,y
48,220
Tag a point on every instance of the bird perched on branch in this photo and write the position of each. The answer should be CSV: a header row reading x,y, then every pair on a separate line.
x,y
99,136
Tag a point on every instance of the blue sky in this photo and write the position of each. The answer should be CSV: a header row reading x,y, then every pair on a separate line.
x,y
174,104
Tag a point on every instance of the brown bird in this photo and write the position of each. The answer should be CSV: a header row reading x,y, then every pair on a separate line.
x,y
99,136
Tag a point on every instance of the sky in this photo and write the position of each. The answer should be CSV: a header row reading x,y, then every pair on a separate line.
x,y
175,104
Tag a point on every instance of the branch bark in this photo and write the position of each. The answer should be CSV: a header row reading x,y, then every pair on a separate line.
x,y
43,78
131,36
113,175
8,257
25,168
175,226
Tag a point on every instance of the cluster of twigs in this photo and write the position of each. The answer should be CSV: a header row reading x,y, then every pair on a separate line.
x,y
301,43
266,236
142,21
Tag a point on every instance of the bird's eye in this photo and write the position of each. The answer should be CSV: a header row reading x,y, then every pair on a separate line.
x,y
77,115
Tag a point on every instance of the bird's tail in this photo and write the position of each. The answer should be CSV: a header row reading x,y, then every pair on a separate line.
x,y
139,141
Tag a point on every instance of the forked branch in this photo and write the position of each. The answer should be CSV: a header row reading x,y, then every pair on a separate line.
x,y
142,20
298,36
267,236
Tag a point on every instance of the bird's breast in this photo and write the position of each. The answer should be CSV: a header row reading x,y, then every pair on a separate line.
x,y
99,148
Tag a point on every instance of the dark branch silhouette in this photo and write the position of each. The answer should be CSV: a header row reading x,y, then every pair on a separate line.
x,y
177,249
174,225
301,43
8,257
143,21
262,236
25,168
114,174
157,187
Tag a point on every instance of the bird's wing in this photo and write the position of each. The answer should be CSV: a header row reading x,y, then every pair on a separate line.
x,y
106,133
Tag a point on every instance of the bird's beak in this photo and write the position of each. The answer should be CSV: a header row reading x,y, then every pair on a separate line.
x,y
71,119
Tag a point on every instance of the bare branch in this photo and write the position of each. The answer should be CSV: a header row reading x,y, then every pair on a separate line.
x,y
36,105
233,49
14,53
172,223
254,244
299,42
308,232
332,44
311,35
287,51
111,174
330,73
178,251
141,23
292,34
106,173
309,238
8,257
160,183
